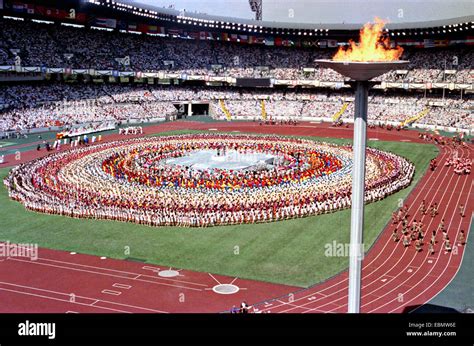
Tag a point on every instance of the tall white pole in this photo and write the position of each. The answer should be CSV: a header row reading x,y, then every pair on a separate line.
x,y
358,192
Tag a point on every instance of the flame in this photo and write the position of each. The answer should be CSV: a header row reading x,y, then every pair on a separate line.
x,y
372,46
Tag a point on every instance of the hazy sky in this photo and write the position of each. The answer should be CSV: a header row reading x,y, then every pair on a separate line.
x,y
329,11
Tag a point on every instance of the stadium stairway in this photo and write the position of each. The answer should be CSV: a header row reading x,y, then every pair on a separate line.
x,y
225,110
264,112
339,114
420,115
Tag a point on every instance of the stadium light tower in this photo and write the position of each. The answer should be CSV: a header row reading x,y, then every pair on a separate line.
x,y
256,6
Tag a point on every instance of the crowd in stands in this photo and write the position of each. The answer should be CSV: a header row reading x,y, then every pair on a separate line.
x,y
58,115
381,109
25,107
46,45
63,104
454,112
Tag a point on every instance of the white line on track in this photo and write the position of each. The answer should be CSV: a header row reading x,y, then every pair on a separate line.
x,y
113,293
106,274
67,297
125,287
115,271
214,279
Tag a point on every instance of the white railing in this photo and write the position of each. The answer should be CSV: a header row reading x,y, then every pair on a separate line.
x,y
232,80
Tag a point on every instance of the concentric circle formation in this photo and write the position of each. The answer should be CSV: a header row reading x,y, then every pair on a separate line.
x,y
202,180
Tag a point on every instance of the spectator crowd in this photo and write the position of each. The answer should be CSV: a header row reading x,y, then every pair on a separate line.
x,y
25,107
46,45
62,104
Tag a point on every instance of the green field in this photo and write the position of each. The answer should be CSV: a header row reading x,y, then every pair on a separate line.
x,y
289,252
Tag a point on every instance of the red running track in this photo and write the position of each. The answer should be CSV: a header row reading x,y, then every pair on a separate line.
x,y
394,278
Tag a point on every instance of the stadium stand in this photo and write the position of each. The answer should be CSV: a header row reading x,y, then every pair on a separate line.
x,y
45,45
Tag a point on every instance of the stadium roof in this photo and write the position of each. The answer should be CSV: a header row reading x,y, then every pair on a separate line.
x,y
338,14
120,13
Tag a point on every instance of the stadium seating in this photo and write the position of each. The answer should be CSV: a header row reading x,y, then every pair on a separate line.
x,y
45,45
61,104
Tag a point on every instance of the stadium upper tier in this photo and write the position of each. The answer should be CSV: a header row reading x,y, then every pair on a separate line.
x,y
59,104
46,45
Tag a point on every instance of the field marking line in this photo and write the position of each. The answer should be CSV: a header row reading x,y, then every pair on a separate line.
x,y
124,272
105,274
77,296
126,287
153,269
215,279
286,303
114,293
58,299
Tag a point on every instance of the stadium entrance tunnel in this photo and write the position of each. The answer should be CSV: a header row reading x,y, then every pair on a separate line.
x,y
200,108
186,109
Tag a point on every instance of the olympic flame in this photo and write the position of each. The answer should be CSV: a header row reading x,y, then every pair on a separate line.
x,y
372,46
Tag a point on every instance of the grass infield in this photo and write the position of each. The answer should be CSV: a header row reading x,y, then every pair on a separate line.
x,y
288,252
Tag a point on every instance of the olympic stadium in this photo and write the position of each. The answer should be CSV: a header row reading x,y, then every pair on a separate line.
x,y
159,157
